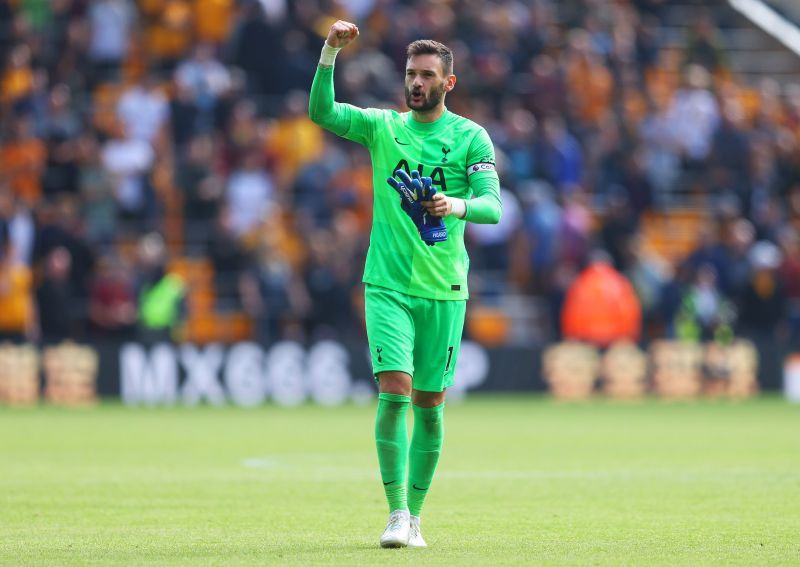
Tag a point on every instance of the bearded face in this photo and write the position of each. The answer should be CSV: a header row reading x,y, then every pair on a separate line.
x,y
426,83
421,101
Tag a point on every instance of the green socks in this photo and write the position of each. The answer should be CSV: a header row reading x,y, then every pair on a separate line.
x,y
396,461
426,446
391,439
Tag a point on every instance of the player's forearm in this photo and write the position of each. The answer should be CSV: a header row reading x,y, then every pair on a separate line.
x,y
322,108
485,207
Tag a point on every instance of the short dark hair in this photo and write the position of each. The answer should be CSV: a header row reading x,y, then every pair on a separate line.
x,y
430,47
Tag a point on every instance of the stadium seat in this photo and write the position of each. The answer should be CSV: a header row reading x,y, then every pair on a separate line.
x,y
672,234
488,326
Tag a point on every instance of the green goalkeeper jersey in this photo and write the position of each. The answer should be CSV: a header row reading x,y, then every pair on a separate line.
x,y
454,151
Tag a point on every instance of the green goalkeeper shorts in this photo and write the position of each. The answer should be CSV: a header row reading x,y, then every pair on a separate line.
x,y
415,335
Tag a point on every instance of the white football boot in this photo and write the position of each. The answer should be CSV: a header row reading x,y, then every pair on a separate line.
x,y
397,530
415,538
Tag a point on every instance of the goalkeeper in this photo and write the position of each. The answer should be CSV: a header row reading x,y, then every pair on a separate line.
x,y
432,171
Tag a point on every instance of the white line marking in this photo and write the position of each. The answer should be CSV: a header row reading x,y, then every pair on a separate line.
x,y
345,467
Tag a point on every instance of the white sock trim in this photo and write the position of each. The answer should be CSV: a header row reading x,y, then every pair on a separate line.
x,y
328,55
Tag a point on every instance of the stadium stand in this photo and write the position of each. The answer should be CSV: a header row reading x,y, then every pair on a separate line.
x,y
665,133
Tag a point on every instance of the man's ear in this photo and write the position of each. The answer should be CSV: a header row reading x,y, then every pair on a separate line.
x,y
450,83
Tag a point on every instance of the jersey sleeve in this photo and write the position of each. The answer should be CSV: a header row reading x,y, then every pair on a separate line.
x,y
345,120
484,207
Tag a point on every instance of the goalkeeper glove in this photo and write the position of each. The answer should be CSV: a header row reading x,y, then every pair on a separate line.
x,y
413,190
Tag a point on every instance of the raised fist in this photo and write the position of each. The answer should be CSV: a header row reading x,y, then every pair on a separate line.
x,y
341,34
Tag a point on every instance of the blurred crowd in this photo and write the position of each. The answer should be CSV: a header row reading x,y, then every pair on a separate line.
x,y
133,133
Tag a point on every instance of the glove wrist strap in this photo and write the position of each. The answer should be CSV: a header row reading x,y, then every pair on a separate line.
x,y
328,55
433,233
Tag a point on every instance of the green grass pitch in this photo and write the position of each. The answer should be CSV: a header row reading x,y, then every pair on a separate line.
x,y
522,480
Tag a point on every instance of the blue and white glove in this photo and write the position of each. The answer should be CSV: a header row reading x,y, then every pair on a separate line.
x,y
413,190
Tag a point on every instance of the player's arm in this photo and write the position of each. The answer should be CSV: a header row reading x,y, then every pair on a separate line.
x,y
342,119
485,206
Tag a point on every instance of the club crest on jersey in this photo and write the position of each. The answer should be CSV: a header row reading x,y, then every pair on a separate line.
x,y
445,151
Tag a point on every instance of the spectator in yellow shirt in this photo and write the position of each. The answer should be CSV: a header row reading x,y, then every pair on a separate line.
x,y
16,302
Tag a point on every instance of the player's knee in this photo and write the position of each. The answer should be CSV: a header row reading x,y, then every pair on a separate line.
x,y
394,382
427,399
